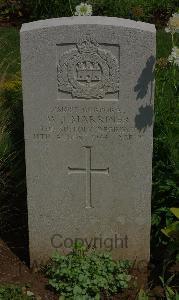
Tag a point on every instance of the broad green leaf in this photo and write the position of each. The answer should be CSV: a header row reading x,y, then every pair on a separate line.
x,y
169,293
175,211
171,230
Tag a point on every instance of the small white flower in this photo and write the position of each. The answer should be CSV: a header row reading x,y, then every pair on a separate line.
x,y
175,15
167,29
30,294
83,10
173,24
174,56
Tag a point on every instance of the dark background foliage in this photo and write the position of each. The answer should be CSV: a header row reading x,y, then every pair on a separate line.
x,y
154,11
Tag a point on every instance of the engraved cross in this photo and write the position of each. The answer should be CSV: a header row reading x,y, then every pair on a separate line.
x,y
88,171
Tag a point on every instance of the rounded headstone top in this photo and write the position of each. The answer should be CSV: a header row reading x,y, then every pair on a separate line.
x,y
90,20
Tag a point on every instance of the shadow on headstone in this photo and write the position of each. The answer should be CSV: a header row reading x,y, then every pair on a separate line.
x,y
144,118
144,85
146,79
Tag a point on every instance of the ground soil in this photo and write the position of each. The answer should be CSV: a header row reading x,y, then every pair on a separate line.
x,y
13,271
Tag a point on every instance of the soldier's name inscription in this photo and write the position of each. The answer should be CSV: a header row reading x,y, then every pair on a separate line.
x,y
68,122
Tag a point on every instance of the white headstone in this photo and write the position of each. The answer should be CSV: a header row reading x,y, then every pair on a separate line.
x,y
88,85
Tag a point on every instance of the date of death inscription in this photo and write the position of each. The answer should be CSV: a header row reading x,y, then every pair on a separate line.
x,y
68,123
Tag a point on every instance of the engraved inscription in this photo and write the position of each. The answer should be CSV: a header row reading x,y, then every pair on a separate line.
x,y
88,71
78,122
88,171
99,123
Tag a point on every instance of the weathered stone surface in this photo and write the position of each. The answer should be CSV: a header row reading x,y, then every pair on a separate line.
x,y
88,87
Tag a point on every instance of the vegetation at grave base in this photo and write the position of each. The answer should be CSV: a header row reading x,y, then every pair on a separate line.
x,y
155,11
86,276
142,295
170,293
8,292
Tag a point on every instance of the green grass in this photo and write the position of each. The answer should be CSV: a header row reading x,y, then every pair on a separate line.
x,y
12,161
166,138
9,52
164,43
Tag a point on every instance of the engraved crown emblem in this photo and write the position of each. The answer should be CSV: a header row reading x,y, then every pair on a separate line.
x,y
88,71
87,44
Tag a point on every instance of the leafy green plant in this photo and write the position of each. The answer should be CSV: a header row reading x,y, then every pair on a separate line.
x,y
170,293
9,292
86,276
172,231
142,295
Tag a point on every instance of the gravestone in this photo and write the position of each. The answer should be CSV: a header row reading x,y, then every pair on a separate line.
x,y
88,85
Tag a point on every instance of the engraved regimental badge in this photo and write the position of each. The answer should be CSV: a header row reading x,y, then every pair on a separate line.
x,y
88,71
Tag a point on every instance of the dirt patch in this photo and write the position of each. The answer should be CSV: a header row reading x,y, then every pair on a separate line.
x,y
13,271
